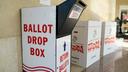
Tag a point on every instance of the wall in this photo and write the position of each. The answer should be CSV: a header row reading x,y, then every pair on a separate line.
x,y
10,34
118,3
103,10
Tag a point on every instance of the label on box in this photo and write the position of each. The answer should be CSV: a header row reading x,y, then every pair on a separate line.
x,y
76,11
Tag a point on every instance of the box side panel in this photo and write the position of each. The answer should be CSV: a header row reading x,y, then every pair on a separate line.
x,y
38,38
63,53
102,39
78,46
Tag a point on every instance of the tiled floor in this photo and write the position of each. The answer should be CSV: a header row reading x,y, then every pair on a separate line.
x,y
114,62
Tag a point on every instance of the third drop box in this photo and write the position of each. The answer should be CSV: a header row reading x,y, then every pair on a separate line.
x,y
108,38
86,39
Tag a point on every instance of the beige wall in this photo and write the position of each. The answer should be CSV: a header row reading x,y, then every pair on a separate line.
x,y
118,3
103,10
10,34
10,17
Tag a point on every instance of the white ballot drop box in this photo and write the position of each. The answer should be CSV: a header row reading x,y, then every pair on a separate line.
x,y
42,50
108,38
86,43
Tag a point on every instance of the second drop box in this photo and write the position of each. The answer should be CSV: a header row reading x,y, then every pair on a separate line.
x,y
86,43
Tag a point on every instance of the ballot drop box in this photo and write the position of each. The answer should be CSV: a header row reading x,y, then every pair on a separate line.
x,y
42,50
108,38
46,36
86,43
